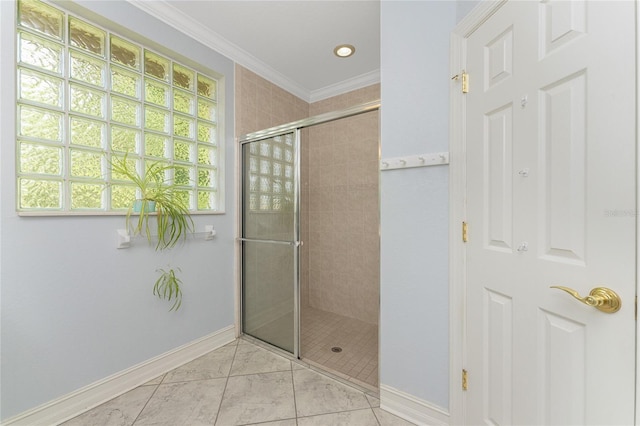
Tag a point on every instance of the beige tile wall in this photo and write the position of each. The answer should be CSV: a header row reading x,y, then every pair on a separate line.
x,y
261,104
340,225
339,193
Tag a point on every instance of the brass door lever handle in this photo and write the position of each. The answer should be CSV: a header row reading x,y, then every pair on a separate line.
x,y
601,298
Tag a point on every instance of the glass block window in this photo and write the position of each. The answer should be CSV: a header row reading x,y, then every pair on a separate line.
x,y
271,174
86,95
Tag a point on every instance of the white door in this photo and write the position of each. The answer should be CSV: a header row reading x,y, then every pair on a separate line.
x,y
550,192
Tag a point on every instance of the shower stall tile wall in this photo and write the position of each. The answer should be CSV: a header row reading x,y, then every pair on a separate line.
x,y
340,272
261,104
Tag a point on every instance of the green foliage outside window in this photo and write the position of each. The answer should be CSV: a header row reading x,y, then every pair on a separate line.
x,y
87,96
271,164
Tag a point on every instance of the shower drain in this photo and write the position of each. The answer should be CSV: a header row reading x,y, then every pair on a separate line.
x,y
336,349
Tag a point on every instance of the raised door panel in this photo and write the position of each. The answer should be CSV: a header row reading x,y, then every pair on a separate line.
x,y
498,335
562,368
498,179
498,59
561,22
563,169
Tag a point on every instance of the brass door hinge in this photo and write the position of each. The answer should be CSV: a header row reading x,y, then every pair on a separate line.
x,y
465,80
465,232
465,384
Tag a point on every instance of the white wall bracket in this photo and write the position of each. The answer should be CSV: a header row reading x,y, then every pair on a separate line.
x,y
209,232
411,161
124,239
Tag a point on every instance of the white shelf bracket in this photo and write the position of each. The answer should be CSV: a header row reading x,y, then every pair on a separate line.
x,y
124,239
209,232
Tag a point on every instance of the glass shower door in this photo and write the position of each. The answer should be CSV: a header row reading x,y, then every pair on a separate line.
x,y
270,241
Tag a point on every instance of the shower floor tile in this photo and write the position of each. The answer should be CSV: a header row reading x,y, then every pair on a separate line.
x,y
358,361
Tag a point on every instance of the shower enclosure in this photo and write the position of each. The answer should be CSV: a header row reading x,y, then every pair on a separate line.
x,y
310,242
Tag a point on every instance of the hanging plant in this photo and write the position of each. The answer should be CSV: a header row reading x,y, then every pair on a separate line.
x,y
159,198
167,287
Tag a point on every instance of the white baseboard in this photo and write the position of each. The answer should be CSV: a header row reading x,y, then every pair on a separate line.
x,y
83,399
411,408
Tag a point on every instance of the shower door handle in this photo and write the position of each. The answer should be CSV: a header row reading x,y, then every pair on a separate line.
x,y
288,243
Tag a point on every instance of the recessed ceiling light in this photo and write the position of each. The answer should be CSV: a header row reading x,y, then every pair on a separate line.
x,y
344,50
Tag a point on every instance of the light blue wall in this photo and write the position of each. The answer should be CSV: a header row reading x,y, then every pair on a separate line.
x,y
463,7
74,309
414,318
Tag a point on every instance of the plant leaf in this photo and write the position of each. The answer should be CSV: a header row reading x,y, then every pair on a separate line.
x,y
167,287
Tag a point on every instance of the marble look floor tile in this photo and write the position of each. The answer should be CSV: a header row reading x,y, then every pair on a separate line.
x,y
257,398
213,365
385,418
345,418
120,411
195,394
251,359
186,403
317,394
289,422
155,381
373,401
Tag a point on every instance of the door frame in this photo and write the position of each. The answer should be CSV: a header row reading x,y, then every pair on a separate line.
x,y
457,212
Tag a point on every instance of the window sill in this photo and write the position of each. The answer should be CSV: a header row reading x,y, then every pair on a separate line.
x,y
96,213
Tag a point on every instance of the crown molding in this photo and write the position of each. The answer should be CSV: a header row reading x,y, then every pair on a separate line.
x,y
357,82
177,19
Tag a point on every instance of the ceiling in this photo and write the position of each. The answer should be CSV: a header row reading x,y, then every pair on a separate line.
x,y
288,42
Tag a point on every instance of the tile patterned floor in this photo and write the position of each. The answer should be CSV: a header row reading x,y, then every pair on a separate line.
x,y
358,361
241,384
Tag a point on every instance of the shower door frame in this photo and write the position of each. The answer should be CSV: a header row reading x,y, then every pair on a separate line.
x,y
294,243
294,127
